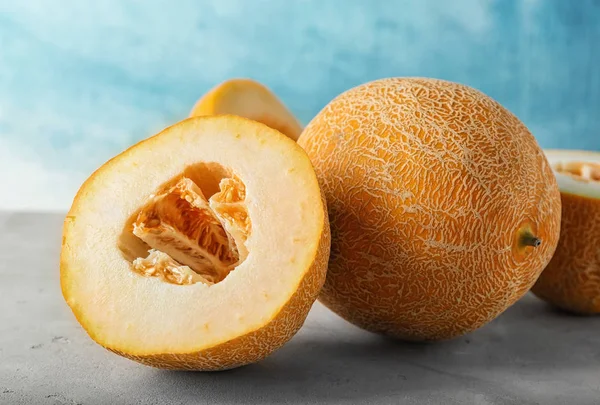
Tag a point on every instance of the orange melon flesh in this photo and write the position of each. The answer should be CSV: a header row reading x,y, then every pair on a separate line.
x,y
443,208
200,248
572,279
250,99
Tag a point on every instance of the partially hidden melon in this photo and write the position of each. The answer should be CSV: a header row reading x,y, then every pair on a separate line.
x,y
200,248
250,99
443,208
572,279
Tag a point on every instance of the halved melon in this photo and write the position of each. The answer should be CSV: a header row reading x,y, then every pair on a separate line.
x,y
250,99
572,279
200,248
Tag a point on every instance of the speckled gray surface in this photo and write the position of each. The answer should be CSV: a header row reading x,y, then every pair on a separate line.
x,y
530,355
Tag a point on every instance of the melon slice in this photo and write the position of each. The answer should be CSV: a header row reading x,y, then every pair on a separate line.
x,y
200,248
572,279
250,99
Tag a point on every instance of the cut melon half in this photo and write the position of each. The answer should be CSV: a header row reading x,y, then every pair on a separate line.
x,y
572,279
250,99
200,248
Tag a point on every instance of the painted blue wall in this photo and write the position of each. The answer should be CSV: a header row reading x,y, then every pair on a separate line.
x,y
81,80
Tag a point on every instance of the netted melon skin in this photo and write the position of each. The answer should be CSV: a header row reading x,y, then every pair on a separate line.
x,y
427,184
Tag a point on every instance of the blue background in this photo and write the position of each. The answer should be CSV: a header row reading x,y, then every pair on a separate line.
x,y
82,80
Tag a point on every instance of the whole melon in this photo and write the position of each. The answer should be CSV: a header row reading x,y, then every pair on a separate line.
x,y
443,208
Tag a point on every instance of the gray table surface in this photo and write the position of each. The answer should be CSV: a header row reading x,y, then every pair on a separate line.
x,y
532,354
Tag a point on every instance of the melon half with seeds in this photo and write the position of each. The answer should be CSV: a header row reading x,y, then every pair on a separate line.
x,y
572,279
200,248
443,208
250,99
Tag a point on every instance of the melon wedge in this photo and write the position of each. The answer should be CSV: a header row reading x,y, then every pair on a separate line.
x,y
572,279
250,99
200,248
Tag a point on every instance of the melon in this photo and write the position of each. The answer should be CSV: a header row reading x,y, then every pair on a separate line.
x,y
200,248
250,99
443,208
572,279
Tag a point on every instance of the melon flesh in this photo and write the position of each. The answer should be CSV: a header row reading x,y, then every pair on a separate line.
x,y
200,248
572,279
250,99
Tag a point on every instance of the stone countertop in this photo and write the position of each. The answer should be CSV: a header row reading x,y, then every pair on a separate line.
x,y
531,354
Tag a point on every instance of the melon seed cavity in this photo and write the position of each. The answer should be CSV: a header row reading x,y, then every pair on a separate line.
x,y
190,238
582,171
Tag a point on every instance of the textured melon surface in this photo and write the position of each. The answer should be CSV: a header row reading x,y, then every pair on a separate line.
x,y
572,279
201,248
443,208
250,99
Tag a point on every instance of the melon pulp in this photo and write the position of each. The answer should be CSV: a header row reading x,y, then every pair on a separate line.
x,y
443,208
572,279
200,248
250,99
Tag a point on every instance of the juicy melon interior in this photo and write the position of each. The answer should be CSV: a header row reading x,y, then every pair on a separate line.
x,y
577,172
191,238
183,237
583,171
